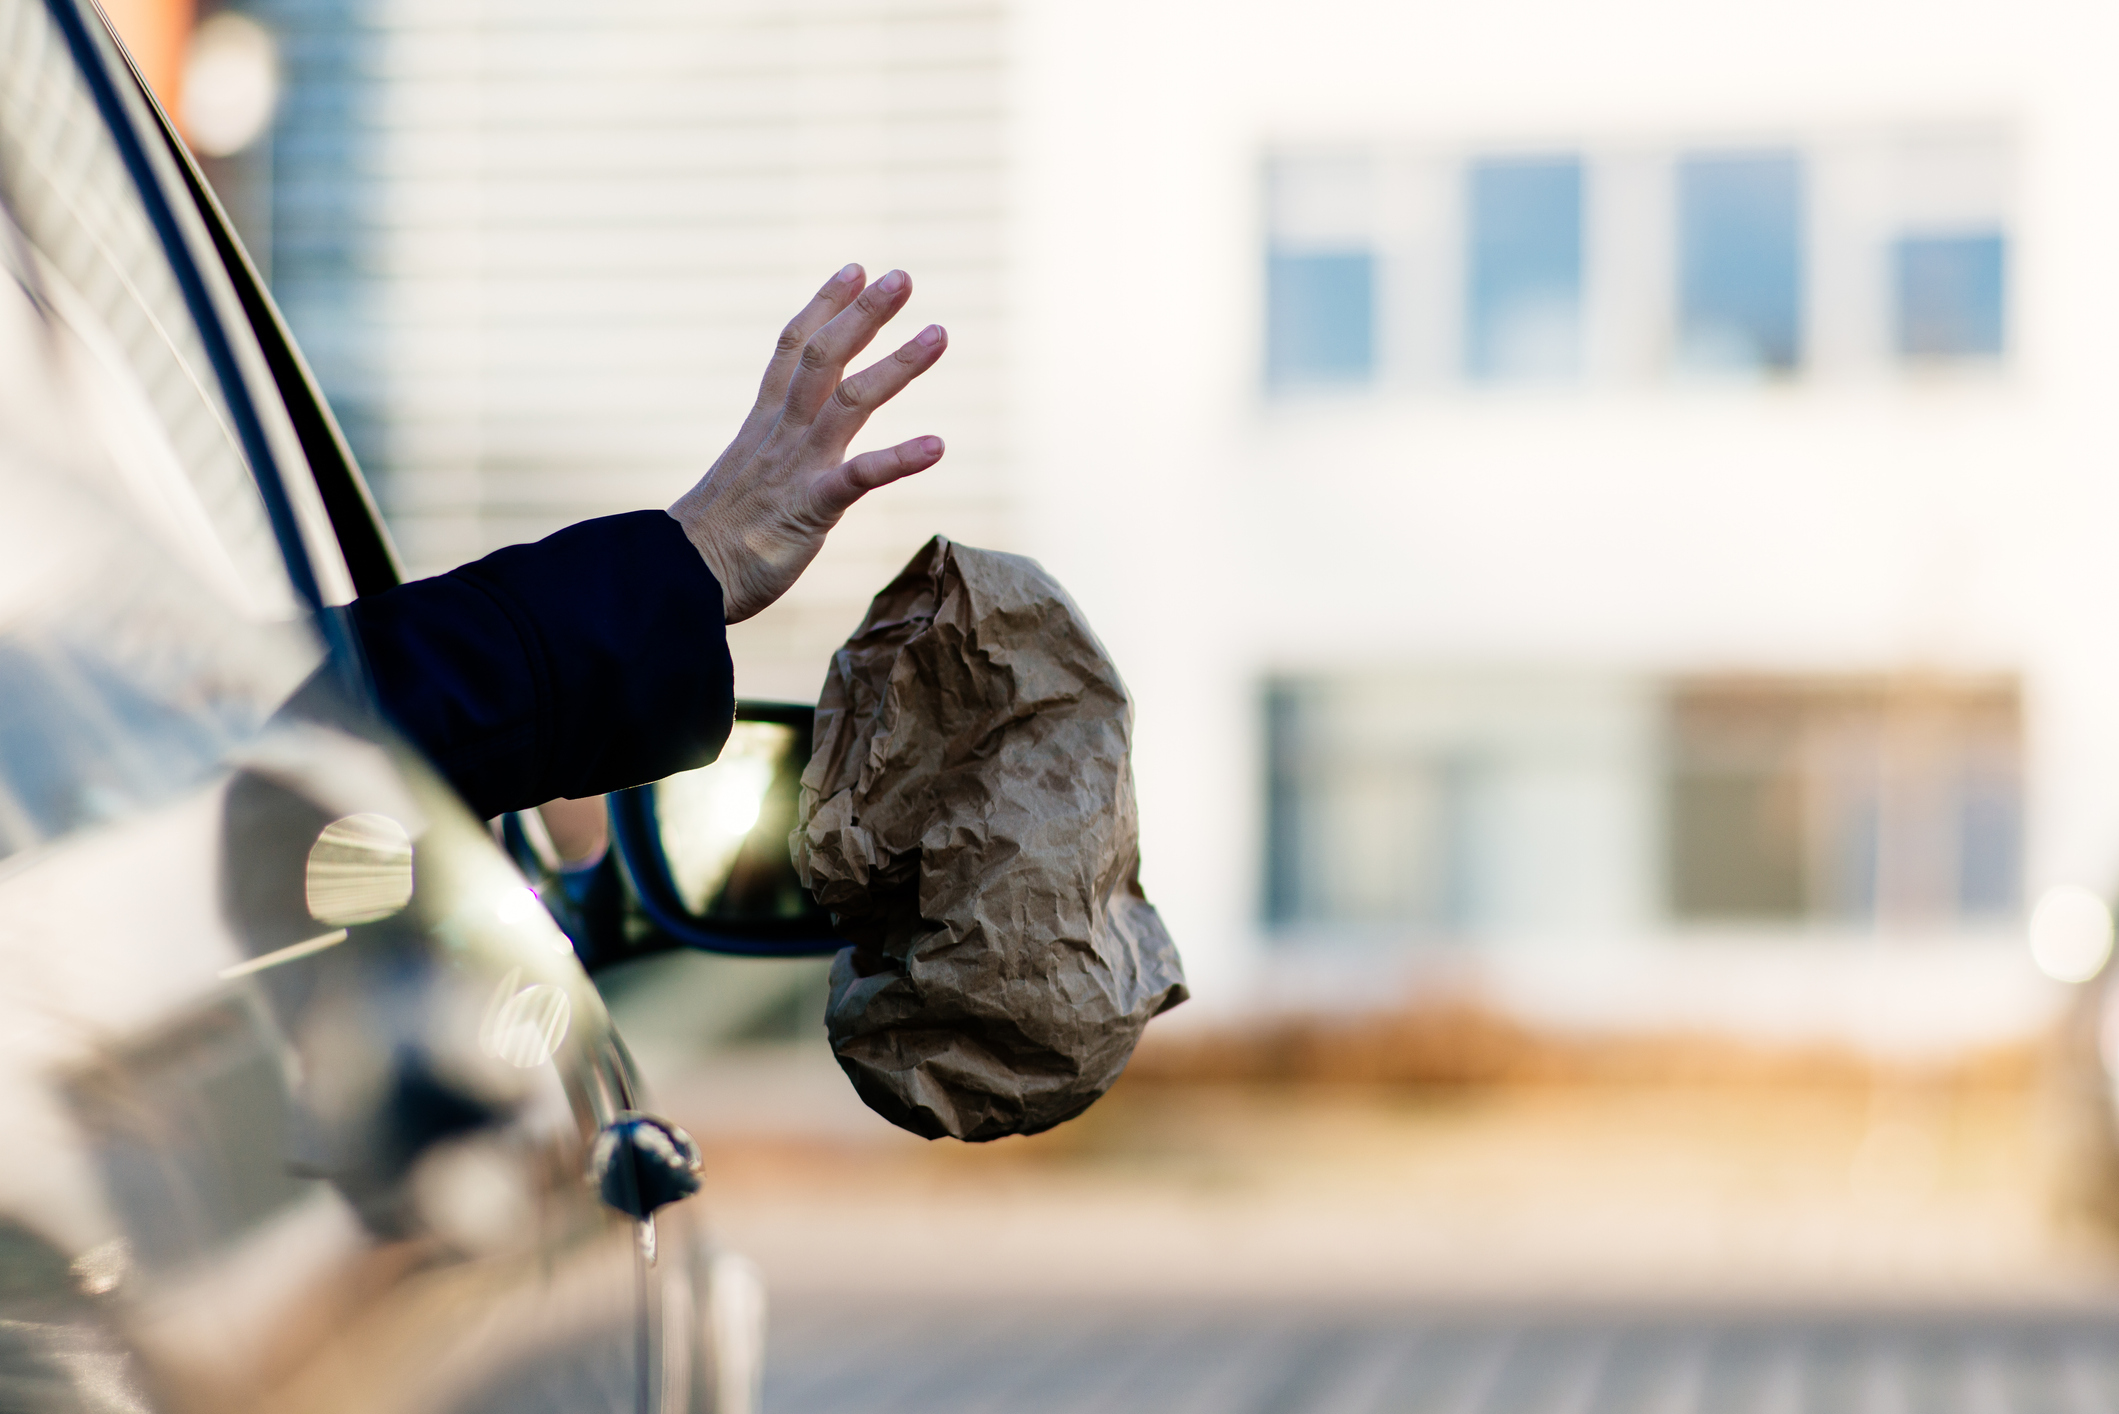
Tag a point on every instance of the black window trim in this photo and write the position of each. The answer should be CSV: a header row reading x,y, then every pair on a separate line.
x,y
98,57
371,557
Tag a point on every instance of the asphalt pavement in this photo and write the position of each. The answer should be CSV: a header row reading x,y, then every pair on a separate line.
x,y
883,1358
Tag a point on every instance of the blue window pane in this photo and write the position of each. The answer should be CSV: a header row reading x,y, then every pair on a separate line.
x,y
1950,295
1740,261
1524,303
1320,320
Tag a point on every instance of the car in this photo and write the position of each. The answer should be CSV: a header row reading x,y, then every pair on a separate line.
x,y
309,1098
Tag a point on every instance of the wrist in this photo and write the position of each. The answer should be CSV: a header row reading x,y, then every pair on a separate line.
x,y
698,529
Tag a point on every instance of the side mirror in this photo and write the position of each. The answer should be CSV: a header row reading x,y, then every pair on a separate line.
x,y
697,860
705,851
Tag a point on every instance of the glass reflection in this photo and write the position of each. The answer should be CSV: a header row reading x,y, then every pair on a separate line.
x,y
707,814
524,1025
360,870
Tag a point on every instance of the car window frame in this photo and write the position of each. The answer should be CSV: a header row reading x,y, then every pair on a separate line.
x,y
363,539
265,424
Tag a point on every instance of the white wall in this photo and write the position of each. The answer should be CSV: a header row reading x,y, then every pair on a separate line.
x,y
1869,523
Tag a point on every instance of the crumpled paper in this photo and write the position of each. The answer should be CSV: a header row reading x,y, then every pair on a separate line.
x,y
968,817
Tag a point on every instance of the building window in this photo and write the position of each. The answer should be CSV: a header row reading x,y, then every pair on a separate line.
x,y
1853,801
1950,295
1523,316
1446,805
1365,834
1740,220
1415,269
1320,270
1452,804
1320,328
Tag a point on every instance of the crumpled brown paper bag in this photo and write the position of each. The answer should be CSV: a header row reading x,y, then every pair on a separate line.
x,y
968,816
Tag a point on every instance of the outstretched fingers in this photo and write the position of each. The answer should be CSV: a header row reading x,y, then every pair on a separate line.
x,y
836,294
823,358
849,481
852,402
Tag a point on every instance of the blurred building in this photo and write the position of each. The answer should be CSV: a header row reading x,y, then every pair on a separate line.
x,y
539,254
1601,506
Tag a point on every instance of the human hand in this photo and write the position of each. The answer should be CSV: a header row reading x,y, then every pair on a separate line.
x,y
761,513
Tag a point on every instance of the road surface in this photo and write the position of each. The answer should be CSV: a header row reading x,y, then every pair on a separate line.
x,y
888,1358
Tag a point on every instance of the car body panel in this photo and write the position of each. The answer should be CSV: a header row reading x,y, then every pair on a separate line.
x,y
298,1081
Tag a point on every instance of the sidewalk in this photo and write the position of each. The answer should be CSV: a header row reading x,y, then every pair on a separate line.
x,y
1603,1193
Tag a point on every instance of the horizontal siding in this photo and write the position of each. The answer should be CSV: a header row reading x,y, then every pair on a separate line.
x,y
539,254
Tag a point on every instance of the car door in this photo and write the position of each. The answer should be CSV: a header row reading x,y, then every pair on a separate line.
x,y
307,1094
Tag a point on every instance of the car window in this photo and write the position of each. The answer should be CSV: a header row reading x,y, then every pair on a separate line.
x,y
101,271
125,681
126,677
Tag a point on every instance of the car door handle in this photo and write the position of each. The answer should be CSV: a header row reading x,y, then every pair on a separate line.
x,y
640,1163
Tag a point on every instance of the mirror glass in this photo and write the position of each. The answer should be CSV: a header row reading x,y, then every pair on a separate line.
x,y
724,827
698,859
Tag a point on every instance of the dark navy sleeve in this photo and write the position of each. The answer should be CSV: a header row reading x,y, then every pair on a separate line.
x,y
595,659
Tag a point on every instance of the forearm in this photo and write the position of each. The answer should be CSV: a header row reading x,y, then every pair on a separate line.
x,y
592,660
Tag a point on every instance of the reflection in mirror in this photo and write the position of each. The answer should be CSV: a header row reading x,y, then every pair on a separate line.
x,y
360,870
700,859
718,817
